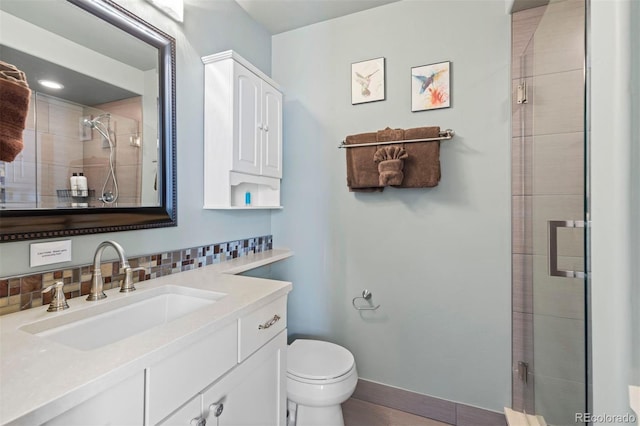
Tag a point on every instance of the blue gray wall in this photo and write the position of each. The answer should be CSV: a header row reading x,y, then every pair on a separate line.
x,y
436,260
209,27
635,157
615,131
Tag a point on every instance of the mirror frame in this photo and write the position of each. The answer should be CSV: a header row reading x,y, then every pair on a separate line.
x,y
30,224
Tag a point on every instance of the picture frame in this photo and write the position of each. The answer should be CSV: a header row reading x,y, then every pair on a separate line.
x,y
431,86
367,81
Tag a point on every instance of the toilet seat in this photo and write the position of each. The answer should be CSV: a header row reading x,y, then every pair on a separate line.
x,y
315,361
321,382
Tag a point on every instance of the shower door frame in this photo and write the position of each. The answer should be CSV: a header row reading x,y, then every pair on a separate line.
x,y
523,391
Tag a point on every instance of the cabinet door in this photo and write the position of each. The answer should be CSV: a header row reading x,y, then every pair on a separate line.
x,y
177,378
247,121
253,394
190,414
272,135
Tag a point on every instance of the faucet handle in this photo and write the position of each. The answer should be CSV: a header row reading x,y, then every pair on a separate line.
x,y
127,283
58,301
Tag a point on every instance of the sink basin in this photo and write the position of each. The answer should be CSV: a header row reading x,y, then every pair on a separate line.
x,y
110,321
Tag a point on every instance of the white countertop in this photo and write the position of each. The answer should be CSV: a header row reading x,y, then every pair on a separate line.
x,y
40,378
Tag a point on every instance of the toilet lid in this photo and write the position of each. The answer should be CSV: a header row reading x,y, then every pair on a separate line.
x,y
317,360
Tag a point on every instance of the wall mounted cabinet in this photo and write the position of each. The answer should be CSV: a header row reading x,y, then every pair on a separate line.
x,y
243,135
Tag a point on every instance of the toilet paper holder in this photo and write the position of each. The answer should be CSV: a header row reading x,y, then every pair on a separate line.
x,y
366,295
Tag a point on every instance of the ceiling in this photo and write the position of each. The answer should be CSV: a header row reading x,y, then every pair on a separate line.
x,y
68,21
59,17
279,16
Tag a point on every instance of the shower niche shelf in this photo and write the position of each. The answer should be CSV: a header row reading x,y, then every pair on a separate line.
x,y
78,198
81,195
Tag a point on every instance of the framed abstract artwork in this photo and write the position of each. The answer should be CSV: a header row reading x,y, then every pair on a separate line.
x,y
367,81
431,86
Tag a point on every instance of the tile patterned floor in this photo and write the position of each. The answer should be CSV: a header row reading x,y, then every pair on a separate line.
x,y
362,413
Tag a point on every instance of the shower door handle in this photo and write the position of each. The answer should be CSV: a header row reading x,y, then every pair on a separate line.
x,y
553,247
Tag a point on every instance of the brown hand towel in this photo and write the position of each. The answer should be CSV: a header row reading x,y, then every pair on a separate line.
x,y
12,73
390,134
422,167
362,171
390,161
14,107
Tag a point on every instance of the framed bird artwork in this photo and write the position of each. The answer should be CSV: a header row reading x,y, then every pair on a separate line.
x,y
367,81
431,86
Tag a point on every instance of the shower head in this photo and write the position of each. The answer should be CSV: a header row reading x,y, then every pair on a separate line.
x,y
92,123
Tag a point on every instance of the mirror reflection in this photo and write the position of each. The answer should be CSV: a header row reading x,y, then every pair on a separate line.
x,y
92,141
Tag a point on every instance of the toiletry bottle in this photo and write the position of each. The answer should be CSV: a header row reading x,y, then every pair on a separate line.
x,y
83,190
82,185
73,181
247,198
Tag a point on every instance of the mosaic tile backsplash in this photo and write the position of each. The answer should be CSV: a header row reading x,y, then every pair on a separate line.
x,y
25,291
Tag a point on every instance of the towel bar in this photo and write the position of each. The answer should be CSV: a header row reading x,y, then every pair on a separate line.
x,y
444,136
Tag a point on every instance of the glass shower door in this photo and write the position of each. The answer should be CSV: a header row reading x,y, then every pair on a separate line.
x,y
549,199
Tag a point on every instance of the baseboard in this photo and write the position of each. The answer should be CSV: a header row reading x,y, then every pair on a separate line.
x,y
426,406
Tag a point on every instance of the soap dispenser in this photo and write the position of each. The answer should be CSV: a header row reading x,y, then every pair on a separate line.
x,y
58,302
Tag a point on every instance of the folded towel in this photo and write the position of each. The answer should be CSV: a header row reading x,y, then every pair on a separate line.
x,y
12,73
390,152
14,107
422,166
362,171
389,134
390,161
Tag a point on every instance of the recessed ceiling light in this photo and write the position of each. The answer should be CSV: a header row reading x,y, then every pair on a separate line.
x,y
51,84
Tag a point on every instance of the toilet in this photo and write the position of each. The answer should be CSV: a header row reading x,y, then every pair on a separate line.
x,y
320,377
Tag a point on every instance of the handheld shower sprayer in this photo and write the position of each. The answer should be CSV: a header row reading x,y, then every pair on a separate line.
x,y
93,123
107,197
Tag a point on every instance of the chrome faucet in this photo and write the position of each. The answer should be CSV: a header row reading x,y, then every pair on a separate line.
x,y
97,282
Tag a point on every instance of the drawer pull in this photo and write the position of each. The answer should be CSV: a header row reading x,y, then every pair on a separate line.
x,y
269,323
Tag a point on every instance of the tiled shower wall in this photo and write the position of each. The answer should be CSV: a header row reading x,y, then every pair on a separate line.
x,y
57,145
25,291
548,184
124,124
51,145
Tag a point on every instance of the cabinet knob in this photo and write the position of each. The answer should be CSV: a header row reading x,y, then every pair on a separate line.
x,y
266,128
260,126
198,421
216,409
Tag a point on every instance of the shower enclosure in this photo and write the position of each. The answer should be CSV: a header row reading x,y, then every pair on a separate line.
x,y
58,142
550,212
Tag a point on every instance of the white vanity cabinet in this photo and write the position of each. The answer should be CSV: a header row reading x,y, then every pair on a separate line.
x,y
215,383
122,404
252,394
243,134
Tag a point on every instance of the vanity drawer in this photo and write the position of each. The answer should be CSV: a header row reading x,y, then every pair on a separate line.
x,y
260,326
177,378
